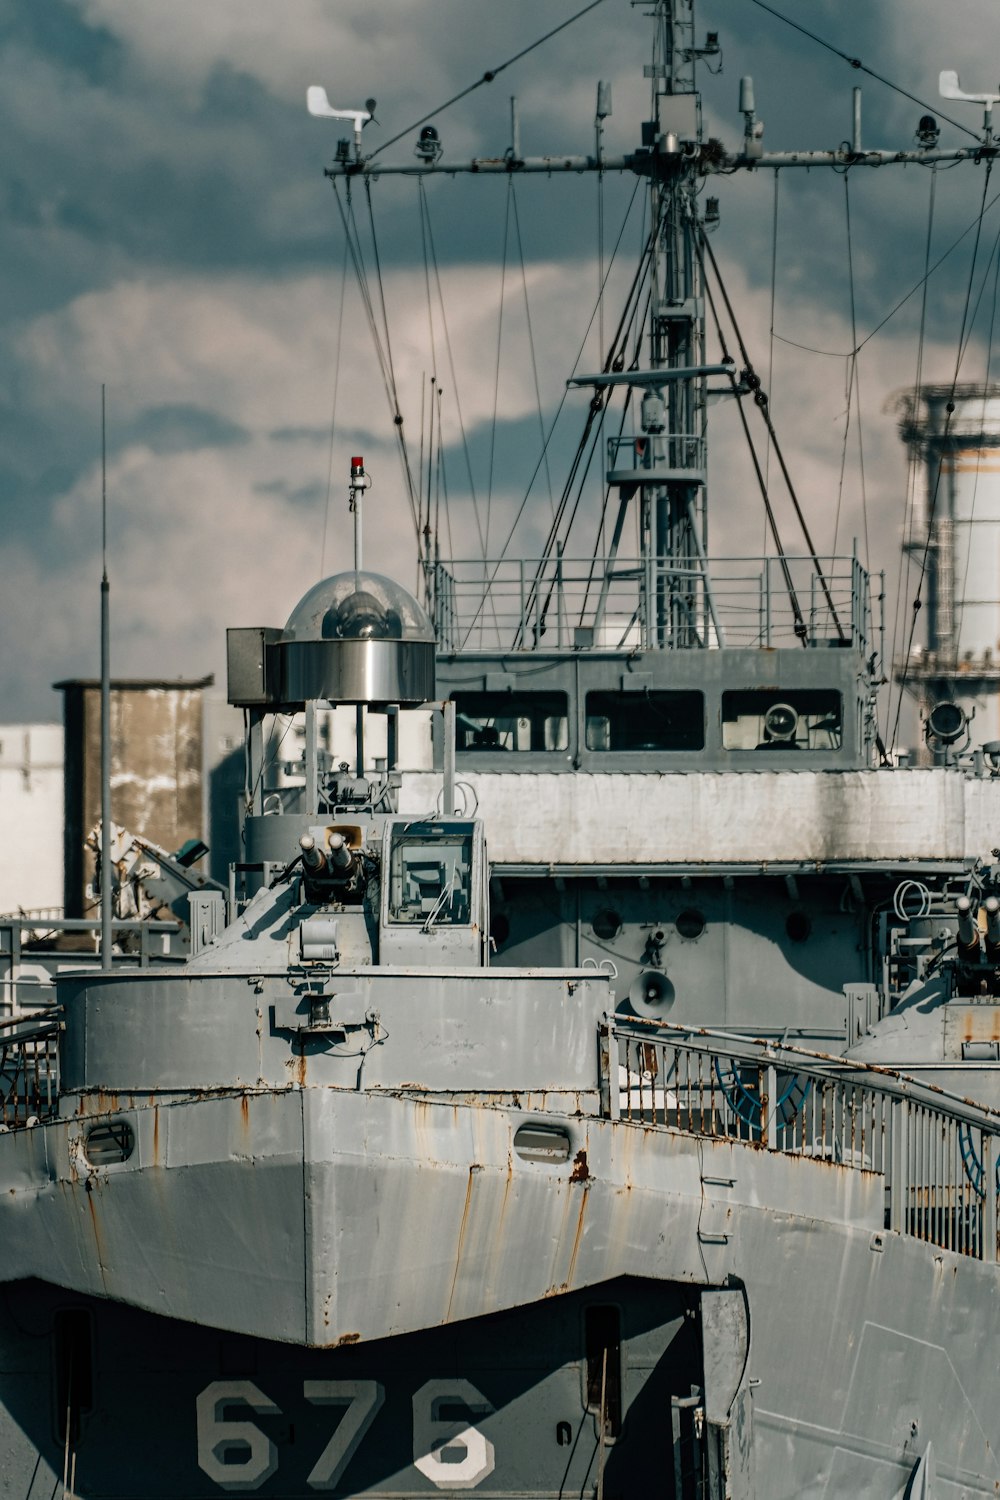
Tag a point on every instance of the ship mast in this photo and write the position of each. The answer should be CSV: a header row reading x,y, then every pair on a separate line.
x,y
663,470
674,513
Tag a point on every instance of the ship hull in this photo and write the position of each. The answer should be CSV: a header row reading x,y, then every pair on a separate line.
x,y
301,1259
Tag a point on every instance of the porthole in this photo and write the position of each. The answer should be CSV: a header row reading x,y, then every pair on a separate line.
x,y
690,923
798,926
541,1143
607,923
109,1143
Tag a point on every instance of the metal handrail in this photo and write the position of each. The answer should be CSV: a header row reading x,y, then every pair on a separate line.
x,y
29,1069
723,601
937,1153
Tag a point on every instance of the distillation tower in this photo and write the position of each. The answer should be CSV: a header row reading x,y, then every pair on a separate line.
x,y
953,434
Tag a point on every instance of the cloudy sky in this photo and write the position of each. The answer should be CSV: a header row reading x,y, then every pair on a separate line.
x,y
167,232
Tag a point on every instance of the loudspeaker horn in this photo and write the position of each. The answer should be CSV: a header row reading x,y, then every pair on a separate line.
x,y
651,994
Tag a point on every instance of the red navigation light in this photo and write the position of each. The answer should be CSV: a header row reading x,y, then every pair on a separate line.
x,y
357,465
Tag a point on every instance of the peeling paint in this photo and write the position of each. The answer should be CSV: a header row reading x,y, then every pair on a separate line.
x,y
580,1171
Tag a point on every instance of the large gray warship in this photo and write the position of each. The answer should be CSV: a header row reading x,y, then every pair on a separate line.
x,y
652,1150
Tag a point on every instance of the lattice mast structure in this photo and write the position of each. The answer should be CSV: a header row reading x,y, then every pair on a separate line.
x,y
665,469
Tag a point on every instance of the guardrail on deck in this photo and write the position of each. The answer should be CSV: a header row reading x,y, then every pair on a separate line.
x,y
29,1067
939,1155
562,603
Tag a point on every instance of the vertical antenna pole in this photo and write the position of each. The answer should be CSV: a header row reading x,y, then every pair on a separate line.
x,y
856,124
359,483
106,954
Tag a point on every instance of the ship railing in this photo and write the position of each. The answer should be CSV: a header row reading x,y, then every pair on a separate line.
x,y
33,948
562,603
939,1155
663,454
29,1067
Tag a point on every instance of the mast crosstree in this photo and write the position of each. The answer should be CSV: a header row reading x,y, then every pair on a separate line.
x,y
663,469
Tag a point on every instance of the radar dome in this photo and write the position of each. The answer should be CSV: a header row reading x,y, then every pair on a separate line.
x,y
358,607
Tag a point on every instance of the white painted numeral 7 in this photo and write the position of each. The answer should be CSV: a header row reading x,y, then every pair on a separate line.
x,y
363,1398
219,1440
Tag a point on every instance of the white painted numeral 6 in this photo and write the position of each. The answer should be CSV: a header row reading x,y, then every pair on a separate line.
x,y
218,1438
363,1398
450,1453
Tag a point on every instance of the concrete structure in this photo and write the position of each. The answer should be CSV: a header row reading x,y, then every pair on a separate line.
x,y
157,773
956,527
31,818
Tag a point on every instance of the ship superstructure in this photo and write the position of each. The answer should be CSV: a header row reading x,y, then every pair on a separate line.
x,y
586,1086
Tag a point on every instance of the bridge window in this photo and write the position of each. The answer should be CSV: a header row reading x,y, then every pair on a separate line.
x,y
782,719
645,721
511,721
430,874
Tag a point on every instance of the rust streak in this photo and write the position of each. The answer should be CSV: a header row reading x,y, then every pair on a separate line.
x,y
578,1236
156,1135
97,1233
245,1112
347,1338
461,1238
506,1194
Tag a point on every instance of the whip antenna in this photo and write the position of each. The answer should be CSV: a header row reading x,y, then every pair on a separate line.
x,y
106,953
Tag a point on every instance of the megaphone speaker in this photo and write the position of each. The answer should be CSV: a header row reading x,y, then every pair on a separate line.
x,y
651,994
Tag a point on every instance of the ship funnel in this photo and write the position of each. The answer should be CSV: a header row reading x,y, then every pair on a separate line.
x,y
953,436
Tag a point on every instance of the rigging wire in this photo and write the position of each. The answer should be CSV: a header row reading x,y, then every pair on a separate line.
x,y
579,355
451,367
846,354
599,549
433,352
420,458
914,465
853,392
442,489
357,259
760,401
640,323
531,347
770,343
496,367
800,624
860,67
397,416
600,307
333,415
949,412
850,363
487,77
597,402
